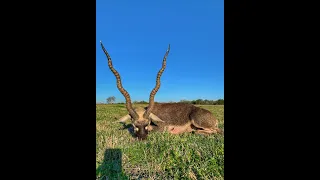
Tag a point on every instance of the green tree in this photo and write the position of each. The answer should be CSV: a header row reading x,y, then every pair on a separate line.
x,y
111,99
220,102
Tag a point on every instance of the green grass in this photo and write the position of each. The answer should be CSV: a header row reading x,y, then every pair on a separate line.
x,y
161,156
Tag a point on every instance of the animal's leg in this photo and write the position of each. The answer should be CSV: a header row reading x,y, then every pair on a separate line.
x,y
204,121
205,128
180,129
175,130
206,131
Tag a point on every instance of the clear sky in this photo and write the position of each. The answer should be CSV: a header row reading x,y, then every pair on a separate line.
x,y
137,33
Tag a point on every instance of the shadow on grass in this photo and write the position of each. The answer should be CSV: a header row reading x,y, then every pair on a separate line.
x,y
111,168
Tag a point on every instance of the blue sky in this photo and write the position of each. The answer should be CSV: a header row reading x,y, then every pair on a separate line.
x,y
137,33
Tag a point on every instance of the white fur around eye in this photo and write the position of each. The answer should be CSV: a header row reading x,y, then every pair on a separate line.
x,y
146,128
136,129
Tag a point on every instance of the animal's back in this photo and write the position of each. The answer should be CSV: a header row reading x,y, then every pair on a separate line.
x,y
173,113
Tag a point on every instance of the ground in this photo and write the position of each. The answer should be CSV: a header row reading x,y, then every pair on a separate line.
x,y
162,156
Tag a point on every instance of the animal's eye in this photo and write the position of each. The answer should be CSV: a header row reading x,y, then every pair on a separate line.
x,y
146,128
136,129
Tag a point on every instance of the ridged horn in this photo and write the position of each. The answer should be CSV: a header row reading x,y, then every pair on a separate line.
x,y
156,88
133,114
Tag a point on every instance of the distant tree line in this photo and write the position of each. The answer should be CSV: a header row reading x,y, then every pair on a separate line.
x,y
204,102
111,100
136,102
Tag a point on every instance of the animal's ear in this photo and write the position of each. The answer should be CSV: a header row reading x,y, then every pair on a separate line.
x,y
124,118
155,118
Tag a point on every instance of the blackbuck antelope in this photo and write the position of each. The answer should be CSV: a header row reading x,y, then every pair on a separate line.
x,y
175,118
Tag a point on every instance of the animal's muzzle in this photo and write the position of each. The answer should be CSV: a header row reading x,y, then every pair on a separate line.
x,y
142,136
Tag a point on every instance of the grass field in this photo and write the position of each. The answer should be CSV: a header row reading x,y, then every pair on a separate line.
x,y
161,156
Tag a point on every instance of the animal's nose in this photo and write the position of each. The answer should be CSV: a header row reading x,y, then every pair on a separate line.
x,y
142,138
